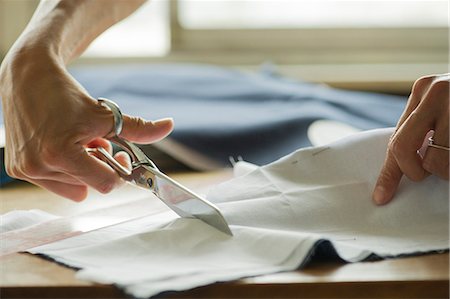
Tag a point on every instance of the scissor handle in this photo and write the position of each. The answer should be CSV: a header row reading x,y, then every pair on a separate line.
x,y
145,174
117,114
138,157
105,156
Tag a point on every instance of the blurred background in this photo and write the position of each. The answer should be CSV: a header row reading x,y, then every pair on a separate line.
x,y
363,45
366,45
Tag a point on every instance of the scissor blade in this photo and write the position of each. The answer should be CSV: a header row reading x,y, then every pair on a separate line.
x,y
188,204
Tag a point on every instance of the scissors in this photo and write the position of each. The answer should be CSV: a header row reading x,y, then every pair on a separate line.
x,y
145,174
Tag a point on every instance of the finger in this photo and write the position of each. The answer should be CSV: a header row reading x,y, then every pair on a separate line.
x,y
91,171
124,159
39,170
102,122
419,89
436,161
388,181
101,142
57,176
135,129
401,139
139,130
70,191
408,140
436,105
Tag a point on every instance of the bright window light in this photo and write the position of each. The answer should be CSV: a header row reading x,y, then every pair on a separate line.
x,y
234,14
145,33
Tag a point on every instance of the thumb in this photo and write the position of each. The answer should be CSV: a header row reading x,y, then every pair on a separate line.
x,y
388,181
136,129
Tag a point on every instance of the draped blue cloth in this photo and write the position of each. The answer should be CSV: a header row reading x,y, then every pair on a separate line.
x,y
222,112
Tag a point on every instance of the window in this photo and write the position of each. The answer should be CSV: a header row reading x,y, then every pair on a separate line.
x,y
284,30
215,14
371,44
317,31
365,41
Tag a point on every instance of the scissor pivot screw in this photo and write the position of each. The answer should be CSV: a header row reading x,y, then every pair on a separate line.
x,y
150,182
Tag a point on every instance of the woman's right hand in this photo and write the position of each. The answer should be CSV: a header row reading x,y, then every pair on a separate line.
x,y
50,119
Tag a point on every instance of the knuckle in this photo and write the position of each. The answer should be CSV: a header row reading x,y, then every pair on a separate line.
x,y
135,126
422,83
396,147
439,87
20,165
436,166
415,177
51,155
106,186
429,164
69,160
31,168
417,117
438,98
84,128
138,122
12,171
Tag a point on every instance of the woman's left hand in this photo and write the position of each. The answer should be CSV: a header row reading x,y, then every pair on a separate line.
x,y
409,153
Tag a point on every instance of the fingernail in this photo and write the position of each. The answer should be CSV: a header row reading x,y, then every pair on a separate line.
x,y
107,186
379,195
163,120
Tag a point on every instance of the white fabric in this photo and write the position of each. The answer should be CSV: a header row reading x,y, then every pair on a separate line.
x,y
278,214
18,219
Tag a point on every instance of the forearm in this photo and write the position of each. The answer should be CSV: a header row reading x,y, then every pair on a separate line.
x,y
65,28
49,118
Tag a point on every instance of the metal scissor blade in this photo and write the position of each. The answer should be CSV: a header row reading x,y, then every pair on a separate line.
x,y
145,174
177,197
188,204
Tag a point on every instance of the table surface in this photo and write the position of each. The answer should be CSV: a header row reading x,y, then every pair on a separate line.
x,y
26,276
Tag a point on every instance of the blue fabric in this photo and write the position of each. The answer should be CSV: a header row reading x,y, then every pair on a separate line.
x,y
222,112
4,178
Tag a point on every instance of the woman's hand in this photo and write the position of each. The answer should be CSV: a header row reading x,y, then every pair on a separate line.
x,y
50,120
426,115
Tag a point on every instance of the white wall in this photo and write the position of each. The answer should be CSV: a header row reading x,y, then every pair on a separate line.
x,y
14,16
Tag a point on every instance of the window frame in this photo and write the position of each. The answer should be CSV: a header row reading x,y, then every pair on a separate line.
x,y
377,59
386,59
317,45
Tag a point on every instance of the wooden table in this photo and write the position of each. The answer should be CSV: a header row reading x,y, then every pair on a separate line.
x,y
27,276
